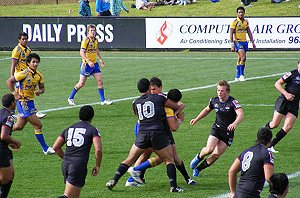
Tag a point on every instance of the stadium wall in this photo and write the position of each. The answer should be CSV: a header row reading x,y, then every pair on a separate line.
x,y
66,33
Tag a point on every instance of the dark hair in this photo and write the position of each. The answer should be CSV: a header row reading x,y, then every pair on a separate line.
x,y
155,81
264,136
224,83
7,99
174,95
86,113
278,183
143,85
22,34
240,8
32,55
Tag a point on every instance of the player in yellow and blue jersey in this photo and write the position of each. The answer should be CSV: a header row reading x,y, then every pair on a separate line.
x,y
238,29
19,54
31,82
89,66
18,59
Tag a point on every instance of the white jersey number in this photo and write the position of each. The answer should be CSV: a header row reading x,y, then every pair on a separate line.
x,y
145,111
75,137
246,163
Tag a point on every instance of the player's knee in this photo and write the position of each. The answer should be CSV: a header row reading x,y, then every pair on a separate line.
x,y
215,156
287,127
100,83
17,127
274,124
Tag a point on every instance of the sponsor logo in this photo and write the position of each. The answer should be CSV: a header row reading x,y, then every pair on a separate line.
x,y
164,32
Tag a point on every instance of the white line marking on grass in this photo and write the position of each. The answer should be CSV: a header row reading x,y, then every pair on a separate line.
x,y
183,90
8,58
290,176
162,58
257,105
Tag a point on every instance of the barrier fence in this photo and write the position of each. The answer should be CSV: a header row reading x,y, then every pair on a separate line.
x,y
66,33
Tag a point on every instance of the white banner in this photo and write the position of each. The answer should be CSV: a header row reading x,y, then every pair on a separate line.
x,y
277,32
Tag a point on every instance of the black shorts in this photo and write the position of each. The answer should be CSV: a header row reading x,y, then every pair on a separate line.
x,y
155,139
222,134
239,194
75,174
5,157
284,106
170,137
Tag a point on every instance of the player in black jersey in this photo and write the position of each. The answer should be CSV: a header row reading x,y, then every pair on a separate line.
x,y
172,123
256,165
279,185
149,108
6,141
228,115
78,138
287,104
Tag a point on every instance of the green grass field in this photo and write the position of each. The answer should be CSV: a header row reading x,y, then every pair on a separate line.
x,y
39,176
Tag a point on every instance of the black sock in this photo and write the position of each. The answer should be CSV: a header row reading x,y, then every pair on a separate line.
x,y
203,165
121,171
171,172
278,137
268,125
5,189
63,196
183,171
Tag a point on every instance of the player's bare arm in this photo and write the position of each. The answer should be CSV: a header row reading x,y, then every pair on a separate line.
x,y
14,64
98,155
7,138
287,95
232,176
201,115
100,58
239,119
178,107
57,146
41,89
251,38
232,32
269,171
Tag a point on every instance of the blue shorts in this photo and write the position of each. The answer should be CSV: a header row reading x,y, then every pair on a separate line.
x,y
27,109
86,70
136,129
241,45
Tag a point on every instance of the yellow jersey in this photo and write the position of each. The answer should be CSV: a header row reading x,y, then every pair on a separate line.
x,y
241,28
28,81
20,53
90,45
169,112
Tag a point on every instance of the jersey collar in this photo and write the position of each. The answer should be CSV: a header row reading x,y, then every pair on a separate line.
x,y
22,47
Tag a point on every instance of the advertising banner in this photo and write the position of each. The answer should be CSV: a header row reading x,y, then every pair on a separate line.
x,y
268,33
66,33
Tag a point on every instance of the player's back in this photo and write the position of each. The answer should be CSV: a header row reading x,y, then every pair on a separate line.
x,y
79,139
252,169
150,111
